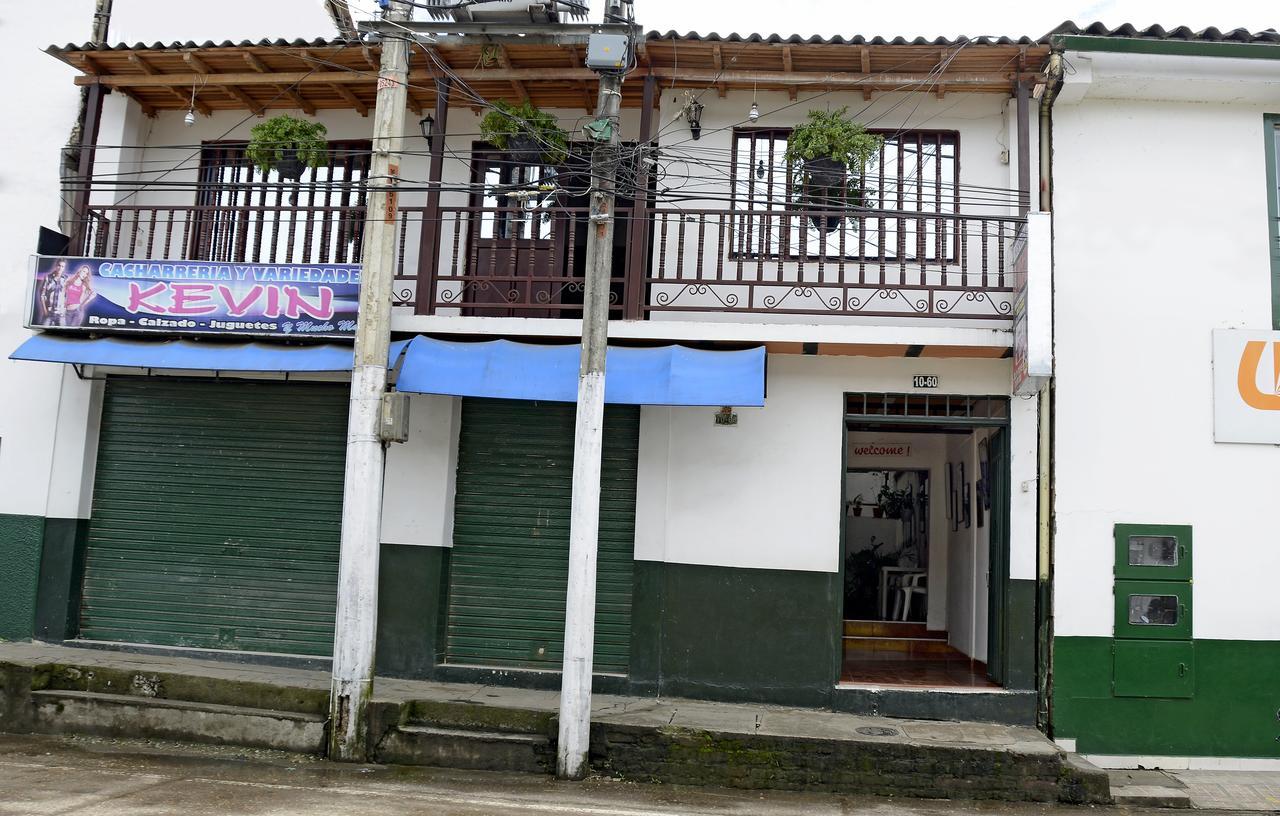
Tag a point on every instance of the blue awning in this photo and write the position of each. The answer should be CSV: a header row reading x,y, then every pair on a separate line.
x,y
190,355
669,375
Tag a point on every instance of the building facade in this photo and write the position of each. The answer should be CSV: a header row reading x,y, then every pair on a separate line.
x,y
1186,289
893,520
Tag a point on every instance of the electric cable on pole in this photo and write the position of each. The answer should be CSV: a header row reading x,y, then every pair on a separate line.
x,y
356,621
584,514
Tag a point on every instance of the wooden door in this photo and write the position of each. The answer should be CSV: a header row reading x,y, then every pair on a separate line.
x,y
517,265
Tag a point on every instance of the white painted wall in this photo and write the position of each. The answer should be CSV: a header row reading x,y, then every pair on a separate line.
x,y
766,493
1160,237
418,485
29,198
969,554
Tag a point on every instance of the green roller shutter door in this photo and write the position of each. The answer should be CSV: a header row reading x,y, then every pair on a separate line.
x,y
509,566
216,515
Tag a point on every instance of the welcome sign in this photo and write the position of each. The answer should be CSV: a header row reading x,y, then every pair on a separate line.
x,y
107,295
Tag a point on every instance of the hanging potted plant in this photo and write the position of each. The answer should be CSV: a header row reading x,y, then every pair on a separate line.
x,y
287,145
527,134
827,155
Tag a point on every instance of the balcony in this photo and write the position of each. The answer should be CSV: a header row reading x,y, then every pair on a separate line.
x,y
745,265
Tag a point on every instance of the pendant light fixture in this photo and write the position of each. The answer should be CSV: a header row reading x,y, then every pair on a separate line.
x,y
190,118
754,113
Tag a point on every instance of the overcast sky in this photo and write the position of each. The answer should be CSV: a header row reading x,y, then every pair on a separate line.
x,y
237,19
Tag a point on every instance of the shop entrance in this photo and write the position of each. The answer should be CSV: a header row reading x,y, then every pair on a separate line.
x,y
925,540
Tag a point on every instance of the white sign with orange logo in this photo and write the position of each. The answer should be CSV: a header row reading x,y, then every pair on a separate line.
x,y
1246,386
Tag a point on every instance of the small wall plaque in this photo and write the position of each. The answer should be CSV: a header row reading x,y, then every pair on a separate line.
x,y
726,416
924,381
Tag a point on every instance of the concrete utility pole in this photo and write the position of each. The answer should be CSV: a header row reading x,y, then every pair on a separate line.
x,y
584,523
357,614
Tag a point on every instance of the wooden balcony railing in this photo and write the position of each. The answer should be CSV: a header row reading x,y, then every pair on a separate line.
x,y
529,262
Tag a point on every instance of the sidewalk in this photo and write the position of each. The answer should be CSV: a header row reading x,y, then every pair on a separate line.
x,y
1257,791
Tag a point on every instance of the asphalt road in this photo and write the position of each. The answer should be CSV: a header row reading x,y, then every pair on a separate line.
x,y
101,777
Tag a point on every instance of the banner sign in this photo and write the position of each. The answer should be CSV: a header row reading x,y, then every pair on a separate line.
x,y
107,295
1032,307
1246,386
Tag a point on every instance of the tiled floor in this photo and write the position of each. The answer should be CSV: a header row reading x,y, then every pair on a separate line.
x,y
877,653
916,672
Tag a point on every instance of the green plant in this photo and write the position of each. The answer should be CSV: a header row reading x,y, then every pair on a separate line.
x,y
862,579
507,123
271,143
857,505
893,501
832,135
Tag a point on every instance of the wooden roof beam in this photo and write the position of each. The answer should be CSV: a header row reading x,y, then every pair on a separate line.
x,y
522,93
201,67
718,59
942,86
864,54
264,73
789,67
841,79
588,98
264,76
352,100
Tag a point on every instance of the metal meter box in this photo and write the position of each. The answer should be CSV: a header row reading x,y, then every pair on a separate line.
x,y
607,52
1153,610
1153,654
1151,668
1157,552
395,417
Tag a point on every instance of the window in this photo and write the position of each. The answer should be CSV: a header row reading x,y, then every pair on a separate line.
x,y
1272,125
243,214
916,173
509,194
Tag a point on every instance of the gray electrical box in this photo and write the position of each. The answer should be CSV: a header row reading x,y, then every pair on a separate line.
x,y
607,52
395,417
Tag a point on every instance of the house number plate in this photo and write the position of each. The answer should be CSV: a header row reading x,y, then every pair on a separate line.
x,y
924,381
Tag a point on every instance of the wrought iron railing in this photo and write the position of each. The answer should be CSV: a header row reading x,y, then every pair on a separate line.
x,y
260,233
529,262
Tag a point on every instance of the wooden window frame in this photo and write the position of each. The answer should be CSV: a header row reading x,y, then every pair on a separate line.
x,y
215,237
878,206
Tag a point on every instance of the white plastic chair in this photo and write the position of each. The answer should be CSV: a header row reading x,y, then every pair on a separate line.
x,y
917,583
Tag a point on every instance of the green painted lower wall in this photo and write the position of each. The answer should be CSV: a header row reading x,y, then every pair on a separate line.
x,y
57,614
737,634
1235,711
411,583
20,544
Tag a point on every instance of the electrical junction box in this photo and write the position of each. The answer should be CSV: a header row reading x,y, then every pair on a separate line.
x,y
1152,668
395,417
607,52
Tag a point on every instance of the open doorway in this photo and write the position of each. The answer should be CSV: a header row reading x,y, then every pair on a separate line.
x,y
924,540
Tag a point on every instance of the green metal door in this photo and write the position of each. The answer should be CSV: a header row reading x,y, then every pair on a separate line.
x,y
509,566
216,515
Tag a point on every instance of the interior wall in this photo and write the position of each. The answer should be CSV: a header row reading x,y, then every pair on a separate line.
x,y
969,554
928,452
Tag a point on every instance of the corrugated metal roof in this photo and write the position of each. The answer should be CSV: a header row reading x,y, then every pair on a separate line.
x,y
1127,30
319,42
796,39
1155,32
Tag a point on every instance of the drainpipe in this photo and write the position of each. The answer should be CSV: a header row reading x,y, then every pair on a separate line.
x,y
1044,459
